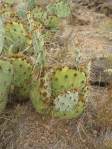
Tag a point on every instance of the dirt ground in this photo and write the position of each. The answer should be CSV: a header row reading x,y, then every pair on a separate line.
x,y
21,127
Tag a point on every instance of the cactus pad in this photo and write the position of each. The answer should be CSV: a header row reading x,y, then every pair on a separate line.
x,y
6,74
60,8
41,92
15,37
66,79
68,105
22,77
53,22
40,15
9,2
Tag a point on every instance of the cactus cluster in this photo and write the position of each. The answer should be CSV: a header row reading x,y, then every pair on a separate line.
x,y
23,18
59,92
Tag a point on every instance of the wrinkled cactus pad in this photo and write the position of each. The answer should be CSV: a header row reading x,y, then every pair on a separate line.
x,y
68,105
6,74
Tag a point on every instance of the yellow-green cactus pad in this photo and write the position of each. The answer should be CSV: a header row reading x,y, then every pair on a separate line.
x,y
41,94
66,79
37,99
15,37
6,74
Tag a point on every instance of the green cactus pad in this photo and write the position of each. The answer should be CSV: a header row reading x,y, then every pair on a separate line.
x,y
31,3
22,77
41,94
68,105
21,9
6,74
40,15
15,37
60,8
53,22
37,99
9,2
66,79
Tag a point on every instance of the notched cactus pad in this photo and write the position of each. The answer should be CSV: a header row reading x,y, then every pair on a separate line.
x,y
6,74
22,77
68,105
66,78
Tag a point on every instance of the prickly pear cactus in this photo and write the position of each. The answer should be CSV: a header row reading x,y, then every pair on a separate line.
x,y
31,3
41,93
15,37
9,2
66,78
40,15
61,8
53,22
69,91
21,9
39,49
68,105
6,74
22,77
61,93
